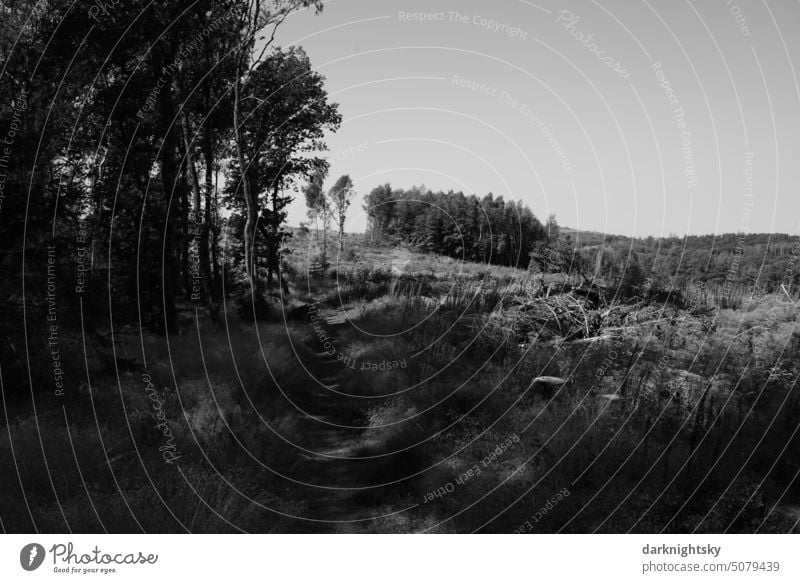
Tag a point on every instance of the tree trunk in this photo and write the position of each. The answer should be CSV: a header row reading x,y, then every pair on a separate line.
x,y
274,258
205,263
324,240
215,240
183,232
99,201
196,211
201,221
169,180
250,222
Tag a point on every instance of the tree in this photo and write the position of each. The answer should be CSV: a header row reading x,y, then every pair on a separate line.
x,y
286,114
316,202
111,129
206,122
122,122
379,206
552,229
341,196
318,207
452,224
255,17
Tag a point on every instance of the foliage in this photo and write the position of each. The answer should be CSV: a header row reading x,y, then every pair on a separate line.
x,y
486,230
341,196
729,266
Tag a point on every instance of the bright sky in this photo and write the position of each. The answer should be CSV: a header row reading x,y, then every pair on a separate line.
x,y
675,116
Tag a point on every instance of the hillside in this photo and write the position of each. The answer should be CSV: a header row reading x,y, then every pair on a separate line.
x,y
749,261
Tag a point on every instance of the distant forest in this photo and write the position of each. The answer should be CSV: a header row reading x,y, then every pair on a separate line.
x,y
495,231
485,230
756,262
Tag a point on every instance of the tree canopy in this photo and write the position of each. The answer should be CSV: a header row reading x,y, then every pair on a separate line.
x,y
487,230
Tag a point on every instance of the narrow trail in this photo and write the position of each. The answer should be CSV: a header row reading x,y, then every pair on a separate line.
x,y
333,428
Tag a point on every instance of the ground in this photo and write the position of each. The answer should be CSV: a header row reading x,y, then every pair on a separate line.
x,y
404,392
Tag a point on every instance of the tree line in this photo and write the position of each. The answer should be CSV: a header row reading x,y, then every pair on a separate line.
x,y
168,132
723,270
492,230
487,230
768,263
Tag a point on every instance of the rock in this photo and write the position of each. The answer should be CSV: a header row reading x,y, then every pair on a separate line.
x,y
547,386
549,381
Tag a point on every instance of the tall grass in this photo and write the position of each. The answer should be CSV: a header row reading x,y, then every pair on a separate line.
x,y
681,422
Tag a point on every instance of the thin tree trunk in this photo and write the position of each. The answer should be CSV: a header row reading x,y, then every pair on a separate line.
x,y
324,240
273,240
169,180
183,233
99,200
265,230
250,222
215,238
196,209
193,179
277,221
205,263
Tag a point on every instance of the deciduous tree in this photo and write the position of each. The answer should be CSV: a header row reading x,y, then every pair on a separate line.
x,y
341,196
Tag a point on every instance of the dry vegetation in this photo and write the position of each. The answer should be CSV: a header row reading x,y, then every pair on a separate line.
x,y
675,419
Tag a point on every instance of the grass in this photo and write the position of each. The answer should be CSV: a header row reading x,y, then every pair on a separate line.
x,y
671,419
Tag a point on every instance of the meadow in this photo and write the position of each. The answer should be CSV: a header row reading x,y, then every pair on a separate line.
x,y
397,391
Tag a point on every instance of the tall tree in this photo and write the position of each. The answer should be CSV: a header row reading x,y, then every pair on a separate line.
x,y
316,201
341,196
258,21
287,114
205,81
379,208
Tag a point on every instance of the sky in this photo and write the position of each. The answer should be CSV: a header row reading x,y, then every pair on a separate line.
x,y
645,117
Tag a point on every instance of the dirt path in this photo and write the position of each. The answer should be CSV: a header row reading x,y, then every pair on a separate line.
x,y
333,433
